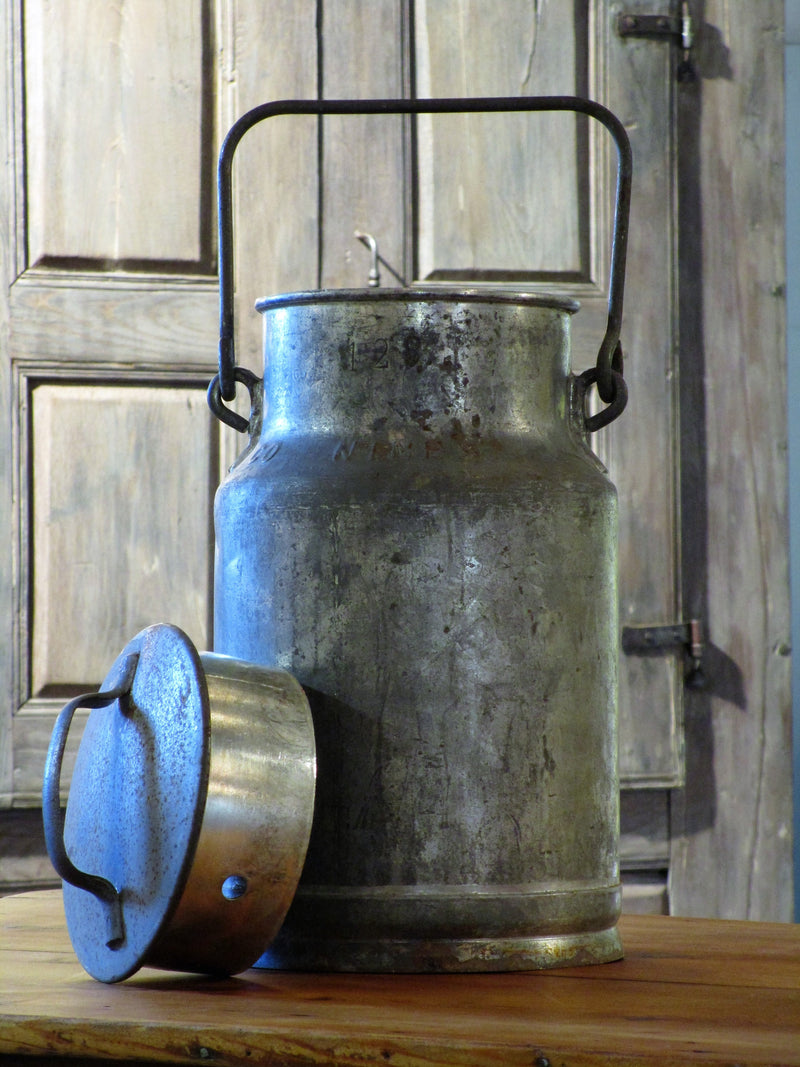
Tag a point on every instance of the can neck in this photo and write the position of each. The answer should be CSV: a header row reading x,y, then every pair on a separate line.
x,y
365,369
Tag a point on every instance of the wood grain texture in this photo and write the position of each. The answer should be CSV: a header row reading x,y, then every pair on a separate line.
x,y
732,854
135,319
270,53
688,992
33,726
109,129
640,447
114,130
364,179
114,507
500,192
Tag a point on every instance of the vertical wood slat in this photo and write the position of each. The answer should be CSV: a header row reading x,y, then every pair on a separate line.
x,y
272,55
732,825
498,192
114,123
363,158
640,447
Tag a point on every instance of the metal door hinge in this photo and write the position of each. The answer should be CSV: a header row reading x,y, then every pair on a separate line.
x,y
676,27
653,640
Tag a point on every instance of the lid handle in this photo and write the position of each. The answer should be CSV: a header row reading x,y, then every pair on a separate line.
x,y
53,814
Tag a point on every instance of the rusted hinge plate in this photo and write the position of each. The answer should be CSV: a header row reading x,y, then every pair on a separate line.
x,y
654,640
651,26
680,27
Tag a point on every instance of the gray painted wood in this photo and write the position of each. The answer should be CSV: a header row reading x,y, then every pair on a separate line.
x,y
33,726
97,583
640,447
164,322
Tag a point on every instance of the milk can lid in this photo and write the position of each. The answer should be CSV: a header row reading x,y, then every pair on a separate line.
x,y
420,294
136,800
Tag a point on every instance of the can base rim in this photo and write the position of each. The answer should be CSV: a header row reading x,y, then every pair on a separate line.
x,y
444,955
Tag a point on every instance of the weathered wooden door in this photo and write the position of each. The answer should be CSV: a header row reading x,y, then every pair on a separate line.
x,y
109,457
111,301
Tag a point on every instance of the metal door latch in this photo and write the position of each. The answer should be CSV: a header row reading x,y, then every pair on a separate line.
x,y
677,27
652,640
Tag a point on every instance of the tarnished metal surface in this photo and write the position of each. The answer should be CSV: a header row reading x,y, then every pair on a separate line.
x,y
256,821
192,798
421,535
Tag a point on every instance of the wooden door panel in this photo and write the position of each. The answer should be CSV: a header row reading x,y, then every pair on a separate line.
x,y
502,196
165,322
116,132
120,530
365,161
112,337
640,448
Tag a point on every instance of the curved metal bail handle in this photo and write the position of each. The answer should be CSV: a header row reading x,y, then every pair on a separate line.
x,y
609,358
53,815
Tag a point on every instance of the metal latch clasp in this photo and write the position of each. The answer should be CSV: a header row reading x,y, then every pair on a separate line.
x,y
679,27
651,640
374,272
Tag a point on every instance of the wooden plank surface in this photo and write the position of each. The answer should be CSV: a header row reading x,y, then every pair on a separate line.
x,y
500,192
271,53
71,318
363,167
689,991
639,449
732,824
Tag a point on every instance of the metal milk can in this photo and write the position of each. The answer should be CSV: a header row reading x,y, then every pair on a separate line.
x,y
420,533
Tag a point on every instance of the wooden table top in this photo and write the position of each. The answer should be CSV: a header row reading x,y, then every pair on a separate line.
x,y
689,991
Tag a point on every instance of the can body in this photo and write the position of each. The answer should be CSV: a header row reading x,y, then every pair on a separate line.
x,y
420,534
